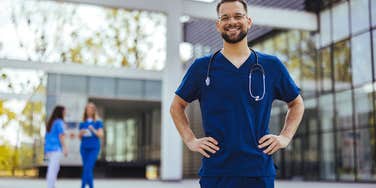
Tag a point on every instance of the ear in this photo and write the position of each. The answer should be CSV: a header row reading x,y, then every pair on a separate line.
x,y
217,25
250,22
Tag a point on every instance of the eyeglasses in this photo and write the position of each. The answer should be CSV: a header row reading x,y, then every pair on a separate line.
x,y
226,18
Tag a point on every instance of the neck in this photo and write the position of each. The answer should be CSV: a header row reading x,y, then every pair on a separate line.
x,y
237,49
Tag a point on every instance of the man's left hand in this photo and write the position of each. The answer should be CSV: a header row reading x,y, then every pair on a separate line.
x,y
273,143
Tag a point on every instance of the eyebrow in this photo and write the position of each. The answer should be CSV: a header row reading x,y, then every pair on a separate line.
x,y
237,13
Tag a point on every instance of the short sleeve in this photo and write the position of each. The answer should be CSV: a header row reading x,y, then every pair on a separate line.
x,y
285,87
81,126
60,127
190,87
99,125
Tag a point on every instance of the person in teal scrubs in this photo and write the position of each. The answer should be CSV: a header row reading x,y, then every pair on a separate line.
x,y
91,133
236,87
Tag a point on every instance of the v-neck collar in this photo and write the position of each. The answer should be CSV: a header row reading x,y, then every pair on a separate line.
x,y
242,65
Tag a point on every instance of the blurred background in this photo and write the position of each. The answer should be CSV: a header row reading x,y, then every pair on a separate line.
x,y
129,56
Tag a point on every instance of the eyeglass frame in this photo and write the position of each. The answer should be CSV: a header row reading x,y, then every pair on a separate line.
x,y
237,17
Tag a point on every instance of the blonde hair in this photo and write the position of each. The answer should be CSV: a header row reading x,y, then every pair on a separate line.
x,y
85,116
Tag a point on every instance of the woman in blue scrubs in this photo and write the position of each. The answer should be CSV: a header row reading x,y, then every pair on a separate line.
x,y
236,88
91,133
54,146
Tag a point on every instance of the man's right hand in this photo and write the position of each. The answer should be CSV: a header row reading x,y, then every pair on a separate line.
x,y
202,145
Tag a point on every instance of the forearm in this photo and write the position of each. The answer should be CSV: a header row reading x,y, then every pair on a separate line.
x,y
293,118
181,123
62,140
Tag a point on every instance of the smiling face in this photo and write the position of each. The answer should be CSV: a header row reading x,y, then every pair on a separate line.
x,y
90,110
233,22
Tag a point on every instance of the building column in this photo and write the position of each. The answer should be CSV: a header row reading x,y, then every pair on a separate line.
x,y
171,145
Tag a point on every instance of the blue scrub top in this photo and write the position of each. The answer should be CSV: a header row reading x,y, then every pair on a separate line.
x,y
231,116
52,141
90,140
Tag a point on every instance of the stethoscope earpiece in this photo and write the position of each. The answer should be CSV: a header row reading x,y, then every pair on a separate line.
x,y
255,67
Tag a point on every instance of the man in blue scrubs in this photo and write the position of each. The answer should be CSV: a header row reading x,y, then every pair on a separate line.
x,y
237,146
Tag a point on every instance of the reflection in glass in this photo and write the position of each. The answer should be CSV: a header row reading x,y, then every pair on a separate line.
x,y
325,70
308,44
311,161
293,66
361,59
374,50
342,72
364,106
366,154
345,154
310,118
297,158
327,166
281,49
326,112
308,74
373,12
344,110
340,21
293,38
325,28
359,15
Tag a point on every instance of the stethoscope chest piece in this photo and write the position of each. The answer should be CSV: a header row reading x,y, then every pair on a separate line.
x,y
207,81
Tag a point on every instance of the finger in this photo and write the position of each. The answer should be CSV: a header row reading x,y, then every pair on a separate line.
x,y
212,145
275,149
271,146
264,138
212,140
207,148
203,153
266,143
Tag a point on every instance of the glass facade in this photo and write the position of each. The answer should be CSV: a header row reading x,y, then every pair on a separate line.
x,y
336,72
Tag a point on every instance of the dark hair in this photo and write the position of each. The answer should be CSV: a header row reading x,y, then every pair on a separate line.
x,y
243,2
58,113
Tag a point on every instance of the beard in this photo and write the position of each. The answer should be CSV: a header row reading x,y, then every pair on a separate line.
x,y
235,39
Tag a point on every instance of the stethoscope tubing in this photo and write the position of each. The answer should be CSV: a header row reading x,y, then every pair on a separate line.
x,y
254,67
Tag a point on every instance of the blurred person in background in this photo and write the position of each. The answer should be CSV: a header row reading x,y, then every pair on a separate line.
x,y
91,133
54,146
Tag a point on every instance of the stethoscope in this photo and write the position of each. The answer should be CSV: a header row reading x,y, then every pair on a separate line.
x,y
254,67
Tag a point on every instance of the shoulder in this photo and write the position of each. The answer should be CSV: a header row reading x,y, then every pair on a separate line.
x,y
271,61
200,63
268,58
58,122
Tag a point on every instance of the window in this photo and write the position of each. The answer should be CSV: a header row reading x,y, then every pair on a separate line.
x,y
325,70
340,21
359,15
327,166
361,59
345,155
326,112
342,72
325,28
344,110
364,106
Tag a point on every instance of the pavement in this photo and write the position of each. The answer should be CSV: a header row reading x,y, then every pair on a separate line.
x,y
142,183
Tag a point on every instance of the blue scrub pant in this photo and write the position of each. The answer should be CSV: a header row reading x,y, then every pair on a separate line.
x,y
236,182
89,157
